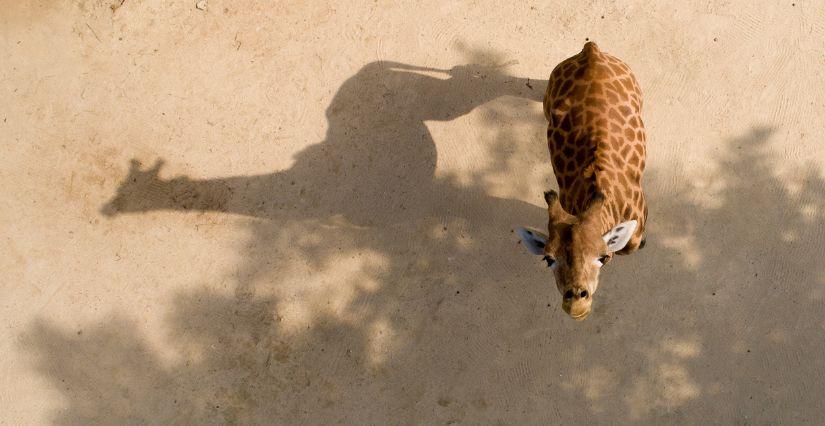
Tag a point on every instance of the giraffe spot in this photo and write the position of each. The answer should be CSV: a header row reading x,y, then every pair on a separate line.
x,y
570,166
635,104
617,70
625,110
591,101
561,106
627,211
623,180
625,151
573,137
601,71
565,88
566,125
627,84
615,116
554,89
580,156
579,89
575,115
634,160
558,138
629,134
634,121
556,92
640,135
612,97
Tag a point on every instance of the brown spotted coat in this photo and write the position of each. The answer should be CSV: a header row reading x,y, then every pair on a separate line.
x,y
597,139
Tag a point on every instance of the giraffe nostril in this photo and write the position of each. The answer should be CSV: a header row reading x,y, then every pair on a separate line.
x,y
568,294
583,294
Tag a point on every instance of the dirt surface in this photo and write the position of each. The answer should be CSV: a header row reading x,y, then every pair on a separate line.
x,y
291,212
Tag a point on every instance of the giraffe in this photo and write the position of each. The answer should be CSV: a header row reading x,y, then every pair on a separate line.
x,y
596,140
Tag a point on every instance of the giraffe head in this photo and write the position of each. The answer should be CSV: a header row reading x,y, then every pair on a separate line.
x,y
575,250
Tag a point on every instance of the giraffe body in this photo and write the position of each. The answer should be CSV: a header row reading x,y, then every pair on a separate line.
x,y
596,138
597,146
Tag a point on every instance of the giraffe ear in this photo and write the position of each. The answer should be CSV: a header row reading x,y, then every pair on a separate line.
x,y
618,237
533,240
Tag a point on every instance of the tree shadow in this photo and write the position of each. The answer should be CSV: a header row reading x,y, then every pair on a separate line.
x,y
442,317
725,307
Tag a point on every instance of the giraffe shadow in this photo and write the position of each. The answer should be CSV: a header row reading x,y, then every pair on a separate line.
x,y
374,171
376,165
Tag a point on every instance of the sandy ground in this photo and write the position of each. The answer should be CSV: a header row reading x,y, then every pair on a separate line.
x,y
293,212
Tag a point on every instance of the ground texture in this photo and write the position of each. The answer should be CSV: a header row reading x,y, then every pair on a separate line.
x,y
297,212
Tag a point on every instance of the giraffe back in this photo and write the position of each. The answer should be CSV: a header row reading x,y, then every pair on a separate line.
x,y
596,137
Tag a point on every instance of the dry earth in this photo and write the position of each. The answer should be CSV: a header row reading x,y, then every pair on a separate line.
x,y
297,212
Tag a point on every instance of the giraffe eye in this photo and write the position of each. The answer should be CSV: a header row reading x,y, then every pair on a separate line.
x,y
602,260
550,261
